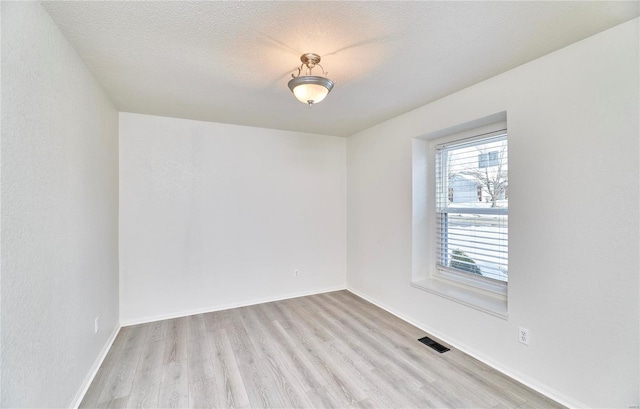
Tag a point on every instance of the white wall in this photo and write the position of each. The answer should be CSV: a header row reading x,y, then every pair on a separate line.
x,y
574,237
59,213
215,215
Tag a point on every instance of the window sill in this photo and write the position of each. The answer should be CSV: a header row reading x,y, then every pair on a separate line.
x,y
476,299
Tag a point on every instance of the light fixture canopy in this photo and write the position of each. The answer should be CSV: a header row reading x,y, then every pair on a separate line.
x,y
310,89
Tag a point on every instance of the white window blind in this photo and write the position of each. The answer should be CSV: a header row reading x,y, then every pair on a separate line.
x,y
472,206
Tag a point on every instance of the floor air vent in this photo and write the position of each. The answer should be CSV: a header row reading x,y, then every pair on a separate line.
x,y
434,345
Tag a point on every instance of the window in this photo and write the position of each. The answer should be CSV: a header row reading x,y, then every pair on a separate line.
x,y
487,159
472,211
459,214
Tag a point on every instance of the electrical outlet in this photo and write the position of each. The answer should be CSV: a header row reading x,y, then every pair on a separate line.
x,y
95,325
296,273
523,335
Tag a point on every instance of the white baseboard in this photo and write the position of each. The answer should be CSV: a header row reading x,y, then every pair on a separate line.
x,y
525,380
94,369
144,320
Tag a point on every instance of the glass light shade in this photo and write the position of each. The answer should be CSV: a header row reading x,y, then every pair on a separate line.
x,y
310,92
310,89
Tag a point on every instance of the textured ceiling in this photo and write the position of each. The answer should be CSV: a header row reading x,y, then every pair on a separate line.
x,y
230,61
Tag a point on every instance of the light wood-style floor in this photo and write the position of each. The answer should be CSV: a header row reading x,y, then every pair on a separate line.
x,y
331,350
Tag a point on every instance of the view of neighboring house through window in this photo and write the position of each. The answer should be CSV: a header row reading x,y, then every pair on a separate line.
x,y
472,206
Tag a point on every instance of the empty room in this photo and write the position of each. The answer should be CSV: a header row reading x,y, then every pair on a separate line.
x,y
292,204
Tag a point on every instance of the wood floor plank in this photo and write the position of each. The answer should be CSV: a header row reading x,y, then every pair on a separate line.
x,y
466,395
277,313
202,394
243,349
284,360
382,391
199,362
535,405
348,355
392,382
294,359
156,331
308,321
176,341
92,395
327,398
511,391
376,315
144,396
331,350
360,373
261,389
406,352
120,378
230,387
146,383
174,387
388,387
338,378
217,320
119,403
462,370
293,392
196,326
262,341
370,346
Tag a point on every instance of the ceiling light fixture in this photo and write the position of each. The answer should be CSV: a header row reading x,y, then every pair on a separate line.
x,y
307,88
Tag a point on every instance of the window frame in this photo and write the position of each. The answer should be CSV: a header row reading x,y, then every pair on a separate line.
x,y
492,286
